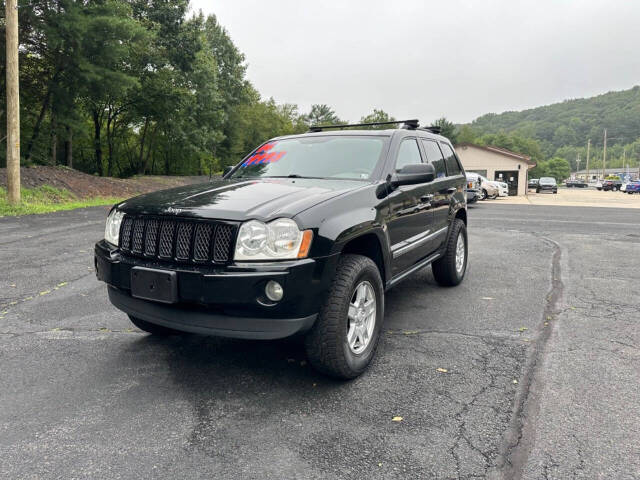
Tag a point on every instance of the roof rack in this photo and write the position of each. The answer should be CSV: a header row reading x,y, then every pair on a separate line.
x,y
408,124
433,129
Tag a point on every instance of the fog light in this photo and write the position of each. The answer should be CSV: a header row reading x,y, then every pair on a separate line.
x,y
273,291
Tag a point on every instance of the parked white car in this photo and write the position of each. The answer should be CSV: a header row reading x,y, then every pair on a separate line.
x,y
503,188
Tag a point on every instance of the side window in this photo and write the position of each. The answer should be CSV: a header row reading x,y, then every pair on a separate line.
x,y
434,157
408,153
453,167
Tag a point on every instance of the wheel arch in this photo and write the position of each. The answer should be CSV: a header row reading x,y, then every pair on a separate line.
x,y
461,213
370,244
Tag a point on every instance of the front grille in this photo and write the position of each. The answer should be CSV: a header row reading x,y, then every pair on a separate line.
x,y
179,240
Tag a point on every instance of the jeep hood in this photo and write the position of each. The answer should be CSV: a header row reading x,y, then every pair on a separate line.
x,y
241,199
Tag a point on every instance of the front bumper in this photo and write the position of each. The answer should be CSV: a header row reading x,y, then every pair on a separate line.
x,y
224,301
472,196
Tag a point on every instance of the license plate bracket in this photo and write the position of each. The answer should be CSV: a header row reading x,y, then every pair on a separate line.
x,y
153,284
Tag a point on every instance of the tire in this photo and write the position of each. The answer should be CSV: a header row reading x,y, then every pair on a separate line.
x,y
444,269
484,195
327,346
154,329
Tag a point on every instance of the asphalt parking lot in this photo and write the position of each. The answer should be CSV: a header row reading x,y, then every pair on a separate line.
x,y
529,369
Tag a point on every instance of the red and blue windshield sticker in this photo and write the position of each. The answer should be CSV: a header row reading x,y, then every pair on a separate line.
x,y
263,155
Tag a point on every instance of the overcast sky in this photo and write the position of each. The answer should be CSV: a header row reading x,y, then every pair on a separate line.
x,y
453,58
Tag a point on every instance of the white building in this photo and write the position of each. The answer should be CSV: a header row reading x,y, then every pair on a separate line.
x,y
497,164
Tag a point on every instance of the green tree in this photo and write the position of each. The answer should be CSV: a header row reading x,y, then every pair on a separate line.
x,y
466,134
322,114
515,143
377,116
447,129
557,168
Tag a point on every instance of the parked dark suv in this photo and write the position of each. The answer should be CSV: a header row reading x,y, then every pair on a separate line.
x,y
611,184
547,184
303,236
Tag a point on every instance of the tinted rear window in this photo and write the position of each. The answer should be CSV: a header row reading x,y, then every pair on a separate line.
x,y
453,167
434,157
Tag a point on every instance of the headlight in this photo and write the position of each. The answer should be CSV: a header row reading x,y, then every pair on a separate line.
x,y
277,240
112,229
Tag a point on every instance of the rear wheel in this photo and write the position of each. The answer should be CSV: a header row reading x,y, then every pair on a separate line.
x,y
449,269
153,328
344,338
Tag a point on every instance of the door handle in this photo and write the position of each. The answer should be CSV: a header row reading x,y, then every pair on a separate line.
x,y
426,198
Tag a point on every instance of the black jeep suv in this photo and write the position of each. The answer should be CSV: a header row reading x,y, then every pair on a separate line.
x,y
304,235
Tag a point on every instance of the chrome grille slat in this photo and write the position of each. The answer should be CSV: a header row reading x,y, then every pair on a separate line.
x,y
177,239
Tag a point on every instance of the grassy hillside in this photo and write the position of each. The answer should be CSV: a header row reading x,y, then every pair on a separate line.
x,y
48,189
572,122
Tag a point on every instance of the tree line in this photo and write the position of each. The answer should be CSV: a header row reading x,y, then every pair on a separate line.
x,y
125,87
561,130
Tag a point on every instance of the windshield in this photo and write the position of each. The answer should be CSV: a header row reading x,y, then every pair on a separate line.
x,y
548,180
348,157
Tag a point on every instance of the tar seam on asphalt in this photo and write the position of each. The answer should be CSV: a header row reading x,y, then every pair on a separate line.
x,y
514,449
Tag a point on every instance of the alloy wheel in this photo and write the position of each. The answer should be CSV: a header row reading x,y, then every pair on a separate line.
x,y
460,254
361,317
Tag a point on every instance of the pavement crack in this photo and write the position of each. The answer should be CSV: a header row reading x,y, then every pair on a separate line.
x,y
514,448
409,333
66,330
14,302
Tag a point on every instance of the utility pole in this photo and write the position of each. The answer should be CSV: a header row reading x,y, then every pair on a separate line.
x,y
588,151
577,165
13,103
604,155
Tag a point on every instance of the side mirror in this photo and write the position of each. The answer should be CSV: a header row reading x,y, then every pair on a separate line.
x,y
413,174
479,181
226,170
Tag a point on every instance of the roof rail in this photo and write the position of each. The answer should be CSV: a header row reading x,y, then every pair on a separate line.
x,y
433,129
409,124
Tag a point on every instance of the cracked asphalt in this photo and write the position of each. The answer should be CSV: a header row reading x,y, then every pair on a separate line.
x,y
529,369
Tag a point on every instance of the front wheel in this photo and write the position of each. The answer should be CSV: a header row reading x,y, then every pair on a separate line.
x,y
483,195
343,340
449,269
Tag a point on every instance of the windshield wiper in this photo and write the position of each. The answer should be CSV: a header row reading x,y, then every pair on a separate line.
x,y
291,175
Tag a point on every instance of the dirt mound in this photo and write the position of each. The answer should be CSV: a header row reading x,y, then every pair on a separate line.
x,y
87,186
